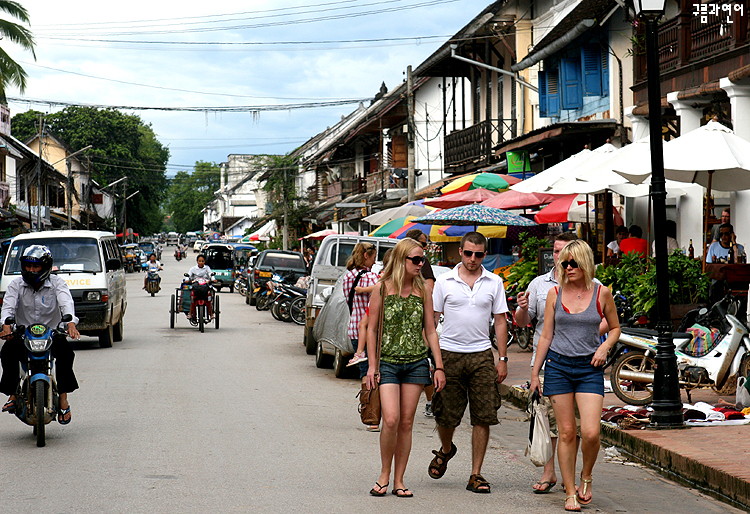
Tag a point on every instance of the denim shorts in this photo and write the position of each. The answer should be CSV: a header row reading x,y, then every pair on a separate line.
x,y
564,375
417,372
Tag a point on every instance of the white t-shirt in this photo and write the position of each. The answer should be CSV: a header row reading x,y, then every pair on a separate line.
x,y
467,311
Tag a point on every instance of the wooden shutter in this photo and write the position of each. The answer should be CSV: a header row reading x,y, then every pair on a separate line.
x,y
591,62
571,91
605,71
553,92
543,111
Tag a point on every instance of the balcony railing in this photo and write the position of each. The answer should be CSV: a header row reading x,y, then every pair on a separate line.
x,y
688,38
474,144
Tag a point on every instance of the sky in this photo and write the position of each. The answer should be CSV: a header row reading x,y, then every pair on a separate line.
x,y
171,56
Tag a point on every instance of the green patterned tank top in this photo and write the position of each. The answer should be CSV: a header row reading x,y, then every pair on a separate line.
x,y
402,329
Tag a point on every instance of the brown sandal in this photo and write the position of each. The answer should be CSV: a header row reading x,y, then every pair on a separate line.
x,y
439,463
477,484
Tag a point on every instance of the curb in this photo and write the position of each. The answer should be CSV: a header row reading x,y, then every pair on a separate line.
x,y
687,471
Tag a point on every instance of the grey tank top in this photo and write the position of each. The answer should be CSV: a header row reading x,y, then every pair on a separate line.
x,y
576,335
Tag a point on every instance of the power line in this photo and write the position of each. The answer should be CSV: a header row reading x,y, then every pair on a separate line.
x,y
236,108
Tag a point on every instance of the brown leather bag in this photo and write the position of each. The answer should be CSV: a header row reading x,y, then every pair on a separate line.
x,y
369,399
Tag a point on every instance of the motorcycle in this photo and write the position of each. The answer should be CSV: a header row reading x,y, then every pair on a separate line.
x,y
289,304
716,365
152,282
264,296
202,294
179,254
37,398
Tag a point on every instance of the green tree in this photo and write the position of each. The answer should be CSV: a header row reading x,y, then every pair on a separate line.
x,y
280,189
11,73
189,193
123,146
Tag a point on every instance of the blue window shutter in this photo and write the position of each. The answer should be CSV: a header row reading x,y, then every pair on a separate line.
x,y
553,93
605,72
571,89
591,62
543,111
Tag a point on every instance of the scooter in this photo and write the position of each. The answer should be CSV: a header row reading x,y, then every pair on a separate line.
x,y
37,397
153,282
716,365
178,254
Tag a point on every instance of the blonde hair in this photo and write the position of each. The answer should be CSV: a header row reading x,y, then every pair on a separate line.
x,y
581,252
395,271
357,258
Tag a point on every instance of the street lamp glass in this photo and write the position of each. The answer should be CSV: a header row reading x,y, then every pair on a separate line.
x,y
649,7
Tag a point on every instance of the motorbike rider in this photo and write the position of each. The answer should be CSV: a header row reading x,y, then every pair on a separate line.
x,y
152,265
200,270
37,296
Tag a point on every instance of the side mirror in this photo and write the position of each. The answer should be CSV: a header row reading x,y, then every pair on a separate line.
x,y
10,320
213,273
185,275
113,264
67,318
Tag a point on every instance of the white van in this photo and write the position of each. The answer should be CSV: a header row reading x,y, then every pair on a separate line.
x,y
329,265
90,262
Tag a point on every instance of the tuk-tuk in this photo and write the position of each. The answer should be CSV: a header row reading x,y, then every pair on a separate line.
x,y
131,256
219,259
241,255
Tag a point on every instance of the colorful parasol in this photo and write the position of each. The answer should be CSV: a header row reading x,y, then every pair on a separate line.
x,y
386,229
478,195
517,200
474,214
491,181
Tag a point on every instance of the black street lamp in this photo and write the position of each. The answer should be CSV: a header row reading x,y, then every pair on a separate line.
x,y
667,405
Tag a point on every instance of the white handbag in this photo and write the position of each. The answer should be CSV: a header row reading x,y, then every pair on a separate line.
x,y
742,399
540,442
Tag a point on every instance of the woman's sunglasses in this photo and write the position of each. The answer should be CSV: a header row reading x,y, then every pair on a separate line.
x,y
469,253
417,260
572,263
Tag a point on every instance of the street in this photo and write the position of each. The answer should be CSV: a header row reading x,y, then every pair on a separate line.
x,y
239,419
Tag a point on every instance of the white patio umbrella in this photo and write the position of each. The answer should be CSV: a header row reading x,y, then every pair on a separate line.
x,y
712,156
386,215
540,182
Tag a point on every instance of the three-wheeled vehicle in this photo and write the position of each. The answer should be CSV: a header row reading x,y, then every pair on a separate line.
x,y
219,259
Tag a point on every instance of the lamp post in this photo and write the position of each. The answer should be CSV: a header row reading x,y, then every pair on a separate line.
x,y
667,405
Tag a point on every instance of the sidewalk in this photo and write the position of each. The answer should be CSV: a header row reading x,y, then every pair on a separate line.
x,y
714,459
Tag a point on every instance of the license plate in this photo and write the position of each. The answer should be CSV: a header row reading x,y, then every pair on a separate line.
x,y
265,274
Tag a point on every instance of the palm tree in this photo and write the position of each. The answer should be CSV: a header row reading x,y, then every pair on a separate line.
x,y
11,73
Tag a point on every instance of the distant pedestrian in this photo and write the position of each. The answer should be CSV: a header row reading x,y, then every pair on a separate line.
x,y
573,355
402,369
468,297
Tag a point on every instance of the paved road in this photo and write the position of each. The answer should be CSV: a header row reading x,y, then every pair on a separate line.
x,y
240,420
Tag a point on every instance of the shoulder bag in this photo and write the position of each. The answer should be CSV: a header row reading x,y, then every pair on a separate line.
x,y
369,399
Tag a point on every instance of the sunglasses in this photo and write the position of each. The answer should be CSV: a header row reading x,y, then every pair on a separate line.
x,y
572,263
417,260
469,253
423,244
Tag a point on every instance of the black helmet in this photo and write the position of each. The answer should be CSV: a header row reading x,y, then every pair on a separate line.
x,y
36,254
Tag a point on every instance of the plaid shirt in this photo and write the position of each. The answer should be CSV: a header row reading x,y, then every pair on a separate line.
x,y
361,300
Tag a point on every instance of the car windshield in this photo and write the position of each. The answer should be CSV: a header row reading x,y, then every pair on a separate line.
x,y
74,254
284,260
147,247
218,258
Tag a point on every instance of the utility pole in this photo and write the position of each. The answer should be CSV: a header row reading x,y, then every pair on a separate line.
x,y
39,178
285,228
410,135
70,184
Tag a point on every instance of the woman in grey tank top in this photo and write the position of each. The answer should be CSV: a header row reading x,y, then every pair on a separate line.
x,y
573,358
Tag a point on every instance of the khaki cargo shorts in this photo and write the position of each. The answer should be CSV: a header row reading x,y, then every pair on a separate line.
x,y
471,378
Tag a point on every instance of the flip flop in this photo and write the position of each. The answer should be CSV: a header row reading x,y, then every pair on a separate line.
x,y
10,406
61,413
402,493
383,490
545,490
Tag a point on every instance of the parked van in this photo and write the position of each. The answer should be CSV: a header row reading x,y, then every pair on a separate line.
x,y
329,265
90,262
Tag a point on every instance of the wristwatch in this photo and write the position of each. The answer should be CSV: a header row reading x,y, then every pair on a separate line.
x,y
503,359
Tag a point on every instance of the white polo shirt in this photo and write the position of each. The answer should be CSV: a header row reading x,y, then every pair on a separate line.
x,y
467,311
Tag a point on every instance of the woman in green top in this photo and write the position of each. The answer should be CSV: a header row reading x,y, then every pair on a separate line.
x,y
402,370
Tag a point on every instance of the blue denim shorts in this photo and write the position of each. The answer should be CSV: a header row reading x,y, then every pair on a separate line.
x,y
417,372
564,375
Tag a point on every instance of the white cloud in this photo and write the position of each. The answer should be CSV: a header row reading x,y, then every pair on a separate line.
x,y
263,72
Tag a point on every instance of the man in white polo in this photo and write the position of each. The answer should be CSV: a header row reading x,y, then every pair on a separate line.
x,y
468,297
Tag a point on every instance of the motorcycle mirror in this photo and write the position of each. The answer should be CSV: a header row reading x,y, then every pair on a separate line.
x,y
703,312
10,320
185,275
67,318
